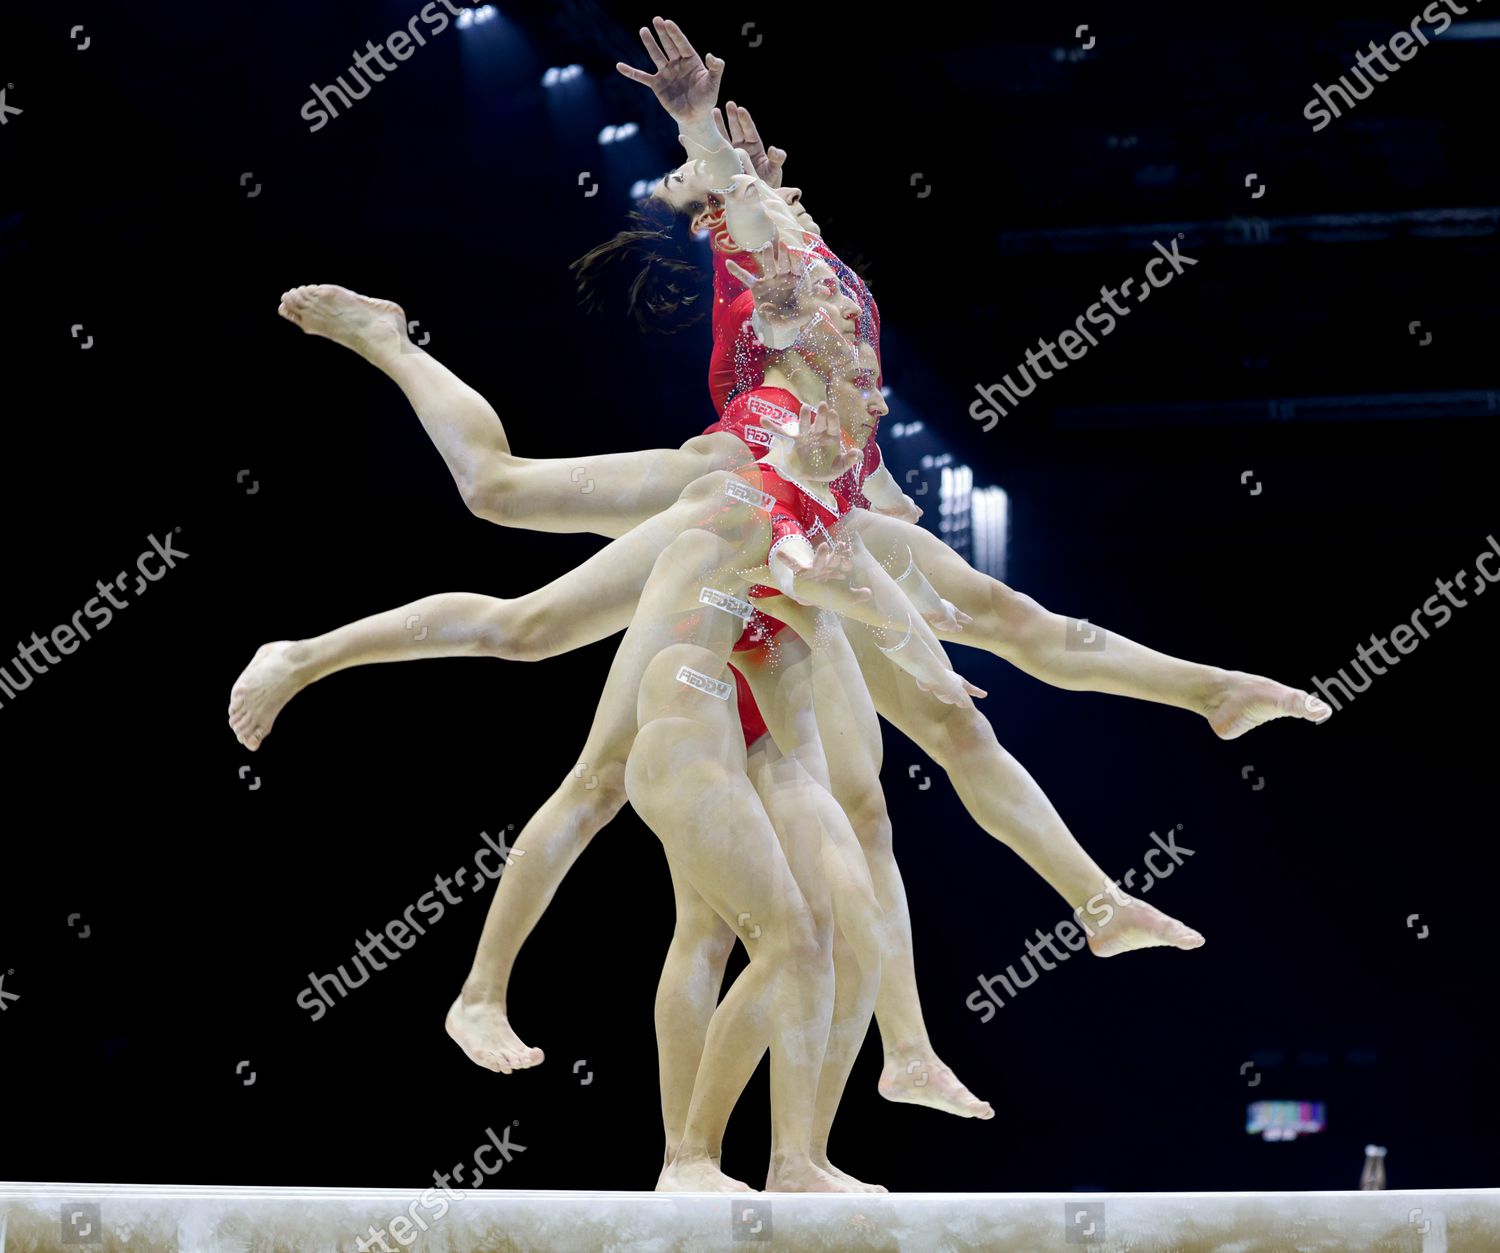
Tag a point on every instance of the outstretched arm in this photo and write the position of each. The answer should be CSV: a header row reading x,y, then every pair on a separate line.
x,y
738,128
687,87
845,579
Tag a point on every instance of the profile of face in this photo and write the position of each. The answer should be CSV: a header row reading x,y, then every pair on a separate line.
x,y
854,394
793,198
685,190
827,344
828,294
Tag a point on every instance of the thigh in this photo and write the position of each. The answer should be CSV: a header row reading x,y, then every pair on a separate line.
x,y
600,596
610,493
808,813
824,688
668,613
781,678
718,838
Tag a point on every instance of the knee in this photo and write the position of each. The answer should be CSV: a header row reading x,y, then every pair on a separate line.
x,y
517,631
871,821
672,761
593,793
1015,617
706,946
966,738
696,549
491,490
708,488
602,784
802,943
706,454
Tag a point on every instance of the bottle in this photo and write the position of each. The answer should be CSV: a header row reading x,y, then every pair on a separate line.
x,y
1372,1178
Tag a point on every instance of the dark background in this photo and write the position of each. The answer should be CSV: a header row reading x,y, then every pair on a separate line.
x,y
453,188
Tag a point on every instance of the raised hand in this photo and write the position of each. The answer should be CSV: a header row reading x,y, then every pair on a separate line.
x,y
779,289
736,125
824,347
685,84
818,451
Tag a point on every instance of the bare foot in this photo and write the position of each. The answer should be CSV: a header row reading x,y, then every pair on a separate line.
x,y
803,1175
855,1185
918,1077
484,1033
697,1174
372,328
1247,700
1138,925
271,679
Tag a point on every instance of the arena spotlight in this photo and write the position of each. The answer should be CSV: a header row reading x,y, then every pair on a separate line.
x,y
475,17
1471,30
561,74
643,187
618,134
989,510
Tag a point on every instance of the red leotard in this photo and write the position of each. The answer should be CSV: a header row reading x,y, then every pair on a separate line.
x,y
736,371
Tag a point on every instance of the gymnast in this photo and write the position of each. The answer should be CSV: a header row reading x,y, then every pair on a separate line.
x,y
596,600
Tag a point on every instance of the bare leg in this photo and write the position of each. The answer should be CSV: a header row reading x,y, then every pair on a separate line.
x,y
589,603
1006,801
584,802
686,778
686,997
606,495
827,860
849,734
1012,625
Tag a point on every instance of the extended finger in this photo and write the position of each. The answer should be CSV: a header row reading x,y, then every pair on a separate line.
x,y
658,57
741,273
736,131
747,124
639,76
672,38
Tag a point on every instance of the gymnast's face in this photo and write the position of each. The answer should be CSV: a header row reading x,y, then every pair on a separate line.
x,y
828,293
793,198
685,189
855,396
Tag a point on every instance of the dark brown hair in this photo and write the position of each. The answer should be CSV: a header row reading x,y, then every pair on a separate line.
x,y
649,270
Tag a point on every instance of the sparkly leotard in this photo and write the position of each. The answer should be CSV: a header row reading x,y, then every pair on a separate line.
x,y
751,410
